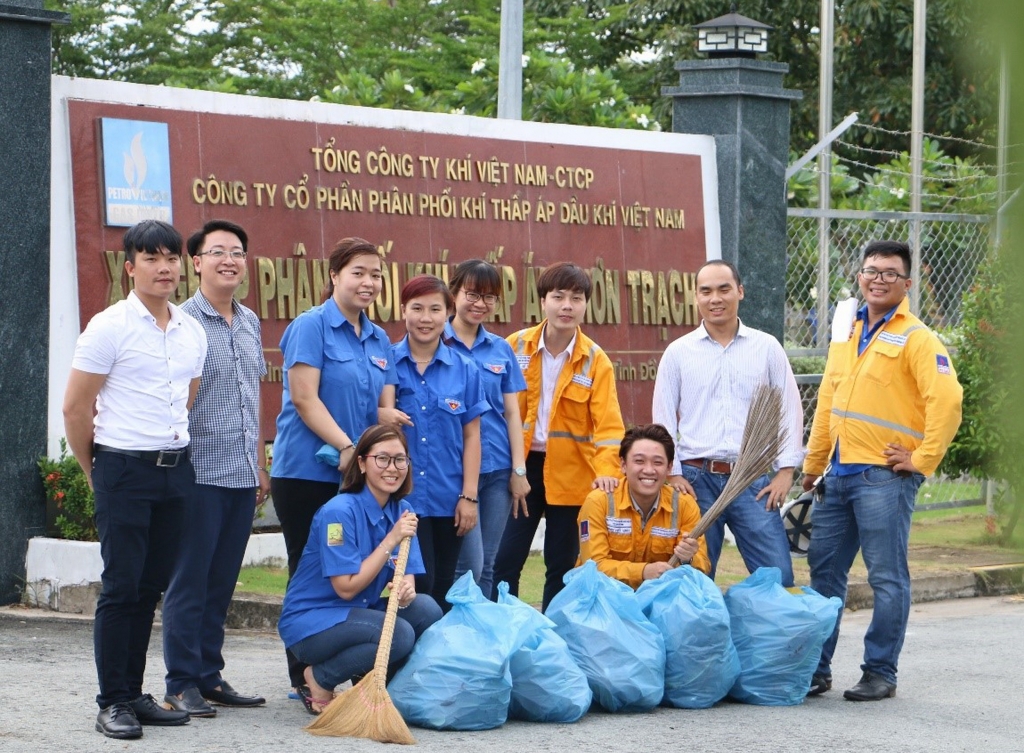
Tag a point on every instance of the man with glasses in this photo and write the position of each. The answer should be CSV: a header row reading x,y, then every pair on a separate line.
x,y
230,477
888,407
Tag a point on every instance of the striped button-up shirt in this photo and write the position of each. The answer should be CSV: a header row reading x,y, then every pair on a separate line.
x,y
225,420
703,391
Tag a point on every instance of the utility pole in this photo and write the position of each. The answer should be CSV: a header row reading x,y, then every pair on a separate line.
x,y
510,61
827,26
917,145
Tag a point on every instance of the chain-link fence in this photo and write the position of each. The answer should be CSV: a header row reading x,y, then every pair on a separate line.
x,y
951,248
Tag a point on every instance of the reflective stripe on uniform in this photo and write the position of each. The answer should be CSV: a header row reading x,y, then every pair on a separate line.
x,y
877,422
567,435
675,509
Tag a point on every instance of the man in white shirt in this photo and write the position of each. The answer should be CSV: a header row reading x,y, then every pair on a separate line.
x,y
705,383
137,367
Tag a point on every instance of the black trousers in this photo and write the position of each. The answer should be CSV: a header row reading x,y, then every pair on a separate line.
x,y
140,518
561,536
296,501
440,548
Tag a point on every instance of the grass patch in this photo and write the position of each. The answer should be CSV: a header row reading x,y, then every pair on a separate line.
x,y
940,540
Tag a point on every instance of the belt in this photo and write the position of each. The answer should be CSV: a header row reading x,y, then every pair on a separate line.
x,y
720,467
159,458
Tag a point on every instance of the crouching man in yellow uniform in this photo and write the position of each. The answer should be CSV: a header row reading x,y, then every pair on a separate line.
x,y
633,531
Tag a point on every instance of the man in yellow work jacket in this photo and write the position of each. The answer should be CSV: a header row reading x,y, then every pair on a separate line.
x,y
632,532
888,407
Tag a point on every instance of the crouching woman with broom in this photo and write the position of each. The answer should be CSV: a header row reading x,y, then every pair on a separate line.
x,y
333,612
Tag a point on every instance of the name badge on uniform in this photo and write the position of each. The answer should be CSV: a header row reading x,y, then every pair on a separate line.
x,y
664,533
619,525
584,530
892,339
585,381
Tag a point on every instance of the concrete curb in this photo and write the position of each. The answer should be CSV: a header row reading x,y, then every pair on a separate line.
x,y
261,612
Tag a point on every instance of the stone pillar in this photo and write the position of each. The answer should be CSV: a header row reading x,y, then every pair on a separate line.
x,y
24,277
741,102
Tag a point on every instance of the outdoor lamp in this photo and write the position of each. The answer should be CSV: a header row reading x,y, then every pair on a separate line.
x,y
732,36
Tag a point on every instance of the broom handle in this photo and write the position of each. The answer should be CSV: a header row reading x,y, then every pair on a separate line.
x,y
380,664
698,530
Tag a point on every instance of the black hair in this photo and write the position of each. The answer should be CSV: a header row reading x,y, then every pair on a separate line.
x,y
196,240
564,275
888,249
653,432
722,263
149,237
483,276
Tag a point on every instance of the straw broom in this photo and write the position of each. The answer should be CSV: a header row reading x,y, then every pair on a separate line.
x,y
763,437
366,710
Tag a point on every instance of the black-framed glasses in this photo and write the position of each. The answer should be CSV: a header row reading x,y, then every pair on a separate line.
x,y
383,461
218,253
473,297
887,275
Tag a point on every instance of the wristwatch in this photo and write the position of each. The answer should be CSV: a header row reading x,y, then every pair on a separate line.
x,y
519,470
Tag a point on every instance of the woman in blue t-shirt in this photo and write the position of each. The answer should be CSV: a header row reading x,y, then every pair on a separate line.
x,y
333,610
337,371
476,287
440,403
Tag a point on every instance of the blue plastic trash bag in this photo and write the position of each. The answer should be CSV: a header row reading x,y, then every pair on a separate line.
x,y
778,636
619,650
328,455
701,664
457,676
547,686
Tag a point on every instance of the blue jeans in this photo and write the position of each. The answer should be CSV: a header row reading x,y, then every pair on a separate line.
x,y
197,599
339,653
869,511
760,534
480,546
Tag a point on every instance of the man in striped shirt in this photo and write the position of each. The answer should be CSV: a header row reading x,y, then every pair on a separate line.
x,y
706,381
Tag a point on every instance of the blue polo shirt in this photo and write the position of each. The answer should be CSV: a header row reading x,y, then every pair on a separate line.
x,y
345,532
353,372
500,375
440,401
866,336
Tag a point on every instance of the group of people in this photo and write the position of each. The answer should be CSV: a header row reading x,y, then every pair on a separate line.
x,y
462,441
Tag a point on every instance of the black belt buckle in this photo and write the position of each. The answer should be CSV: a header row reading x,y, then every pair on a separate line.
x,y
164,458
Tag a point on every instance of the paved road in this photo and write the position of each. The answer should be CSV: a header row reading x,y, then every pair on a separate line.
x,y
962,683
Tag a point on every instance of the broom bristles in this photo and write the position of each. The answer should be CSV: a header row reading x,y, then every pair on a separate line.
x,y
366,710
763,437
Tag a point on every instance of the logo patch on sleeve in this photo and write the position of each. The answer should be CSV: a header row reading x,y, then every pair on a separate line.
x,y
335,534
942,364
584,530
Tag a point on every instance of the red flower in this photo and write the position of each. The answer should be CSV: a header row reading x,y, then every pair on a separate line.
x,y
59,496
53,477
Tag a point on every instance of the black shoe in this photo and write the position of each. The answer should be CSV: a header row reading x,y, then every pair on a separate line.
x,y
118,721
871,687
820,684
147,711
228,696
190,702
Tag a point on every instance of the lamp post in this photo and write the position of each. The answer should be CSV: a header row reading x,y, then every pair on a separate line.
x,y
740,101
732,36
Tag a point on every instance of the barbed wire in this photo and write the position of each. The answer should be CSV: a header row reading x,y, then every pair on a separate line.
x,y
894,153
902,173
970,142
947,198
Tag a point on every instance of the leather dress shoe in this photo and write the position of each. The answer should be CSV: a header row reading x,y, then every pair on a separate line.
x,y
190,702
871,687
820,684
228,696
147,711
118,721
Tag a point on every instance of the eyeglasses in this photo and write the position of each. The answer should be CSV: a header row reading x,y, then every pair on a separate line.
x,y
473,297
219,253
887,275
383,461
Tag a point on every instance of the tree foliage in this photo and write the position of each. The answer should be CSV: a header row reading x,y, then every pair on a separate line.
x,y
300,49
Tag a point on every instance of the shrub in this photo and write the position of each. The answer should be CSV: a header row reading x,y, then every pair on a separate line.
x,y
66,486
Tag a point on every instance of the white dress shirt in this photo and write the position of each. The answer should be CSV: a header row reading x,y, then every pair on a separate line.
x,y
550,367
703,391
142,404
